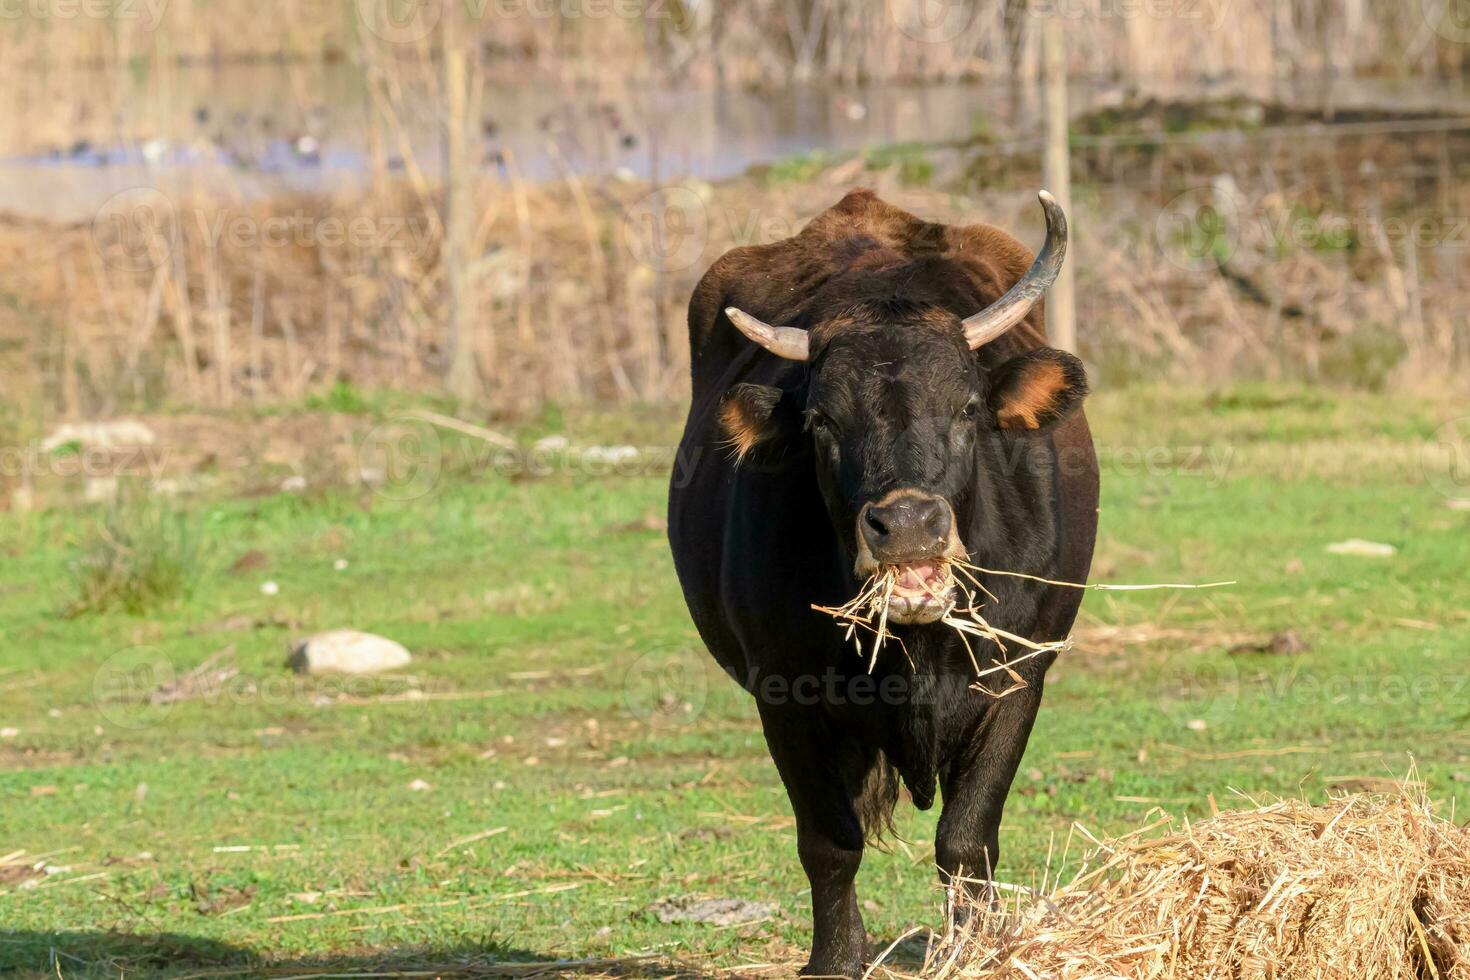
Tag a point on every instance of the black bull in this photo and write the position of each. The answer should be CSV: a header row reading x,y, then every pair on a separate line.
x,y
877,436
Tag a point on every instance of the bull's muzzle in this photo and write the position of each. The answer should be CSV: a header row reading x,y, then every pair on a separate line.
x,y
906,526
912,533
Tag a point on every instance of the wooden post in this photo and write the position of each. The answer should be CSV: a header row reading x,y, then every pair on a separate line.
x,y
463,376
1061,304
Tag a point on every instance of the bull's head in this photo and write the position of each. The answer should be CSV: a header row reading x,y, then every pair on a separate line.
x,y
896,409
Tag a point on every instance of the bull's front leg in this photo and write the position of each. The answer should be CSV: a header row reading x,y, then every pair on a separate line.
x,y
975,786
829,834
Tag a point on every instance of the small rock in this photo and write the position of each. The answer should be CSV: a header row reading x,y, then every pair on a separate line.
x,y
340,565
552,444
270,588
100,435
419,786
9,732
293,484
347,652
1361,548
1197,724
712,911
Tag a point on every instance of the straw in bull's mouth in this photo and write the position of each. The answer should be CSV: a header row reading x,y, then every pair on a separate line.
x,y
867,613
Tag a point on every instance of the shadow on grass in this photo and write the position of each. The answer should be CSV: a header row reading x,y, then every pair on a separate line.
x,y
77,954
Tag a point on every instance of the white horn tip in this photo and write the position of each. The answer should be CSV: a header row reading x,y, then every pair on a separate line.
x,y
1046,197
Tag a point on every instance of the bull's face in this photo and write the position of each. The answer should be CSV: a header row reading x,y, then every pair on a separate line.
x,y
896,416
896,412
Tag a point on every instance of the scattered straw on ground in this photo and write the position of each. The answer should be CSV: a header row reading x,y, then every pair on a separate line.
x,y
1361,887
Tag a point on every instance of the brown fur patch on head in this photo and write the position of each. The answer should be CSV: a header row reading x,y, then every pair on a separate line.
x,y
1026,404
742,434
1037,389
746,416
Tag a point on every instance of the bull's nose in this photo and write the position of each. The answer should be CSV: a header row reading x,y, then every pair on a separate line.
x,y
905,527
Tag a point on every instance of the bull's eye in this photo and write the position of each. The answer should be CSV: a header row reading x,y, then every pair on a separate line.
x,y
817,422
971,411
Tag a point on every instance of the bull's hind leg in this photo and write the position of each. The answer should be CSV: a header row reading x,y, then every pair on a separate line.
x,y
829,835
975,785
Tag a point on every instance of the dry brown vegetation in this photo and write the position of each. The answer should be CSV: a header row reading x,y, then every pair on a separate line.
x,y
747,42
1357,887
1338,260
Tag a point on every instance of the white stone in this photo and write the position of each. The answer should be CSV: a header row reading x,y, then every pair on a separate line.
x,y
347,652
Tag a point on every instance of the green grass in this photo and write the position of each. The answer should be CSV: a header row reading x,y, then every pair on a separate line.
x,y
271,818
143,556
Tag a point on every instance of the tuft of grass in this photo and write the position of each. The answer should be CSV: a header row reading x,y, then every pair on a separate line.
x,y
341,397
142,556
915,169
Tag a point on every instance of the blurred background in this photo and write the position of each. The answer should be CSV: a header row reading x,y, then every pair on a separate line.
x,y
509,200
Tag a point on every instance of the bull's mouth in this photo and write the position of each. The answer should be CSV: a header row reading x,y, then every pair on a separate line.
x,y
922,592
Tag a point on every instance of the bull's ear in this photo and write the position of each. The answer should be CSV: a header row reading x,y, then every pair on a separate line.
x,y
1037,389
752,416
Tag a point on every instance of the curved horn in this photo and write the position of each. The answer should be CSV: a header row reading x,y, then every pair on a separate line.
x,y
788,342
1009,310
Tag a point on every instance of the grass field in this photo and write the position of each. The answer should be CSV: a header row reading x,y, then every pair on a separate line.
x,y
560,756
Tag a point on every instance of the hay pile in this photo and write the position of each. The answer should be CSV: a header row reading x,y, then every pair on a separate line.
x,y
1362,888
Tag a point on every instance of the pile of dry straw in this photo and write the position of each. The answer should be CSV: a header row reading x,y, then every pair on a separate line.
x,y
1361,888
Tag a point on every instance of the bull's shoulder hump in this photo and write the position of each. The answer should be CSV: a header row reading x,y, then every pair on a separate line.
x,y
998,249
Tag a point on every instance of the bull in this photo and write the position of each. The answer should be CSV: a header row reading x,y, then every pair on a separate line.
x,y
876,393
